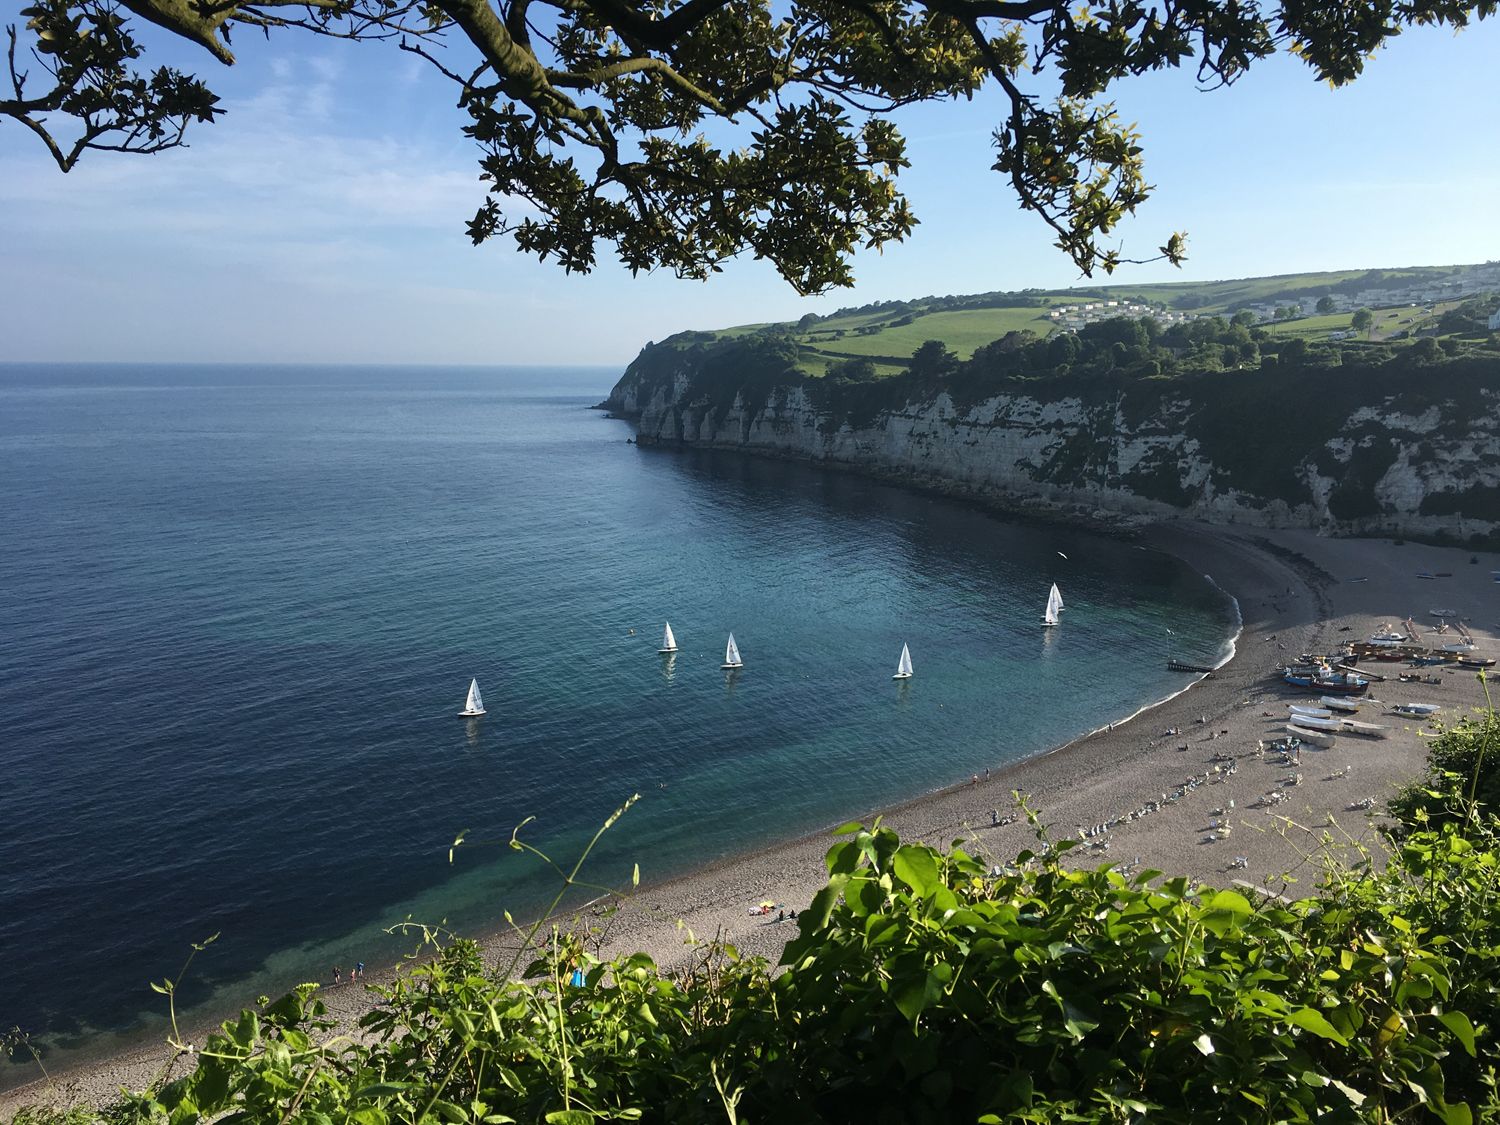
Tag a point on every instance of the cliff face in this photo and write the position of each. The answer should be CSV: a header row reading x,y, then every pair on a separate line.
x,y
1345,450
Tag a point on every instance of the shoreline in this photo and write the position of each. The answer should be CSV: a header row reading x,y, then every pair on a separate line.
x,y
1290,593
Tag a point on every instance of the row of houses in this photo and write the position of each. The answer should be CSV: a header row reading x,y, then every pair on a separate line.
x,y
1467,282
1070,318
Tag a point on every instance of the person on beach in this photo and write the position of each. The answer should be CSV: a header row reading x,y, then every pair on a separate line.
x,y
359,971
338,975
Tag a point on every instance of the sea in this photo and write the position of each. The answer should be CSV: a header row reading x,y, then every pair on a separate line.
x,y
240,608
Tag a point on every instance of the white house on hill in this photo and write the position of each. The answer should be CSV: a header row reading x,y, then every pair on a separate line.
x,y
1495,320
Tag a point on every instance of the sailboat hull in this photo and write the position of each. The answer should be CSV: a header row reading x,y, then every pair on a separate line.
x,y
732,667
665,651
902,676
470,714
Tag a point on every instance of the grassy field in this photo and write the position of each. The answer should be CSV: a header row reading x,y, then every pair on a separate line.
x,y
1388,322
964,330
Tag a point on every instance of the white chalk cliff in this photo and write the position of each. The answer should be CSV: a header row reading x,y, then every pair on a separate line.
x,y
1399,463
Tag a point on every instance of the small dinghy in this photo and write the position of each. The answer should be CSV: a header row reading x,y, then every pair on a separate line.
x,y
732,655
1335,703
668,642
903,669
474,704
1316,737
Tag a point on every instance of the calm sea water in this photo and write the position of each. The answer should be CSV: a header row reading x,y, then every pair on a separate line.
x,y
239,608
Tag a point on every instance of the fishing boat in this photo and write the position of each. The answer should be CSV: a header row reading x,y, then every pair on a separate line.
x,y
732,655
1443,612
1054,606
903,669
1316,737
668,642
1334,683
1334,703
1476,662
474,704
1369,730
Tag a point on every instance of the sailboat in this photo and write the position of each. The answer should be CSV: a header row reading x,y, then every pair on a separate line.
x,y
668,642
474,705
1054,604
903,669
732,655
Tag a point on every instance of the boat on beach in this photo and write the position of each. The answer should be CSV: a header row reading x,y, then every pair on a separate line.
x,y
1337,703
903,668
668,642
732,656
1309,712
1307,734
474,704
1054,606
1416,710
1314,723
1327,680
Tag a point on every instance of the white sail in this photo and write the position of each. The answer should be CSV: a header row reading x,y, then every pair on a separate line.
x,y
1054,603
732,654
1056,593
903,669
474,704
668,642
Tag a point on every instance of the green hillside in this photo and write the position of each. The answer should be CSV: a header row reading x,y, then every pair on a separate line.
x,y
887,333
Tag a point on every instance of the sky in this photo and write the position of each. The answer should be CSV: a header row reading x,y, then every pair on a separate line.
x,y
321,220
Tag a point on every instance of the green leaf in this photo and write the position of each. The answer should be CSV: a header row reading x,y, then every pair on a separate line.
x,y
917,867
1231,902
815,917
1310,1019
1463,1030
915,993
569,1117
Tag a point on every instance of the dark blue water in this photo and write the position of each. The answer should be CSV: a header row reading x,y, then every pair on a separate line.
x,y
239,608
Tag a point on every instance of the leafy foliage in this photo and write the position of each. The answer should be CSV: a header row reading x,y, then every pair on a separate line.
x,y
931,986
1463,775
685,132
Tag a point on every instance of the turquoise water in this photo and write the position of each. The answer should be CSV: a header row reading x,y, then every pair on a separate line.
x,y
241,607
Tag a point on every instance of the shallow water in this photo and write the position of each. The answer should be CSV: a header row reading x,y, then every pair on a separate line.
x,y
241,606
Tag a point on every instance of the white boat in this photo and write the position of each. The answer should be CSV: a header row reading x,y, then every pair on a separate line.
x,y
1371,730
1443,612
1337,703
732,655
1310,712
474,705
903,669
1313,723
668,642
1054,604
1316,737
1421,710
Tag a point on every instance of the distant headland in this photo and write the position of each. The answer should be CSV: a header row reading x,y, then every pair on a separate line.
x,y
1357,402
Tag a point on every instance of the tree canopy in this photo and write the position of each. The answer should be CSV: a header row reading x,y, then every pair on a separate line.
x,y
687,132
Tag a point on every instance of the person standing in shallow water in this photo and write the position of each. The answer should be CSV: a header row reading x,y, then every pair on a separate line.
x,y
338,975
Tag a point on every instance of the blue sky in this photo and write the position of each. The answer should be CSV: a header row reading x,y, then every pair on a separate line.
x,y
322,219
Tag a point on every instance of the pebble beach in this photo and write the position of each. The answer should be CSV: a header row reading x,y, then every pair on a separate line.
x,y
1208,802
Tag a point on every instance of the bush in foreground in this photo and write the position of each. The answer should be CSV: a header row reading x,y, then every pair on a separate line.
x,y
925,987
